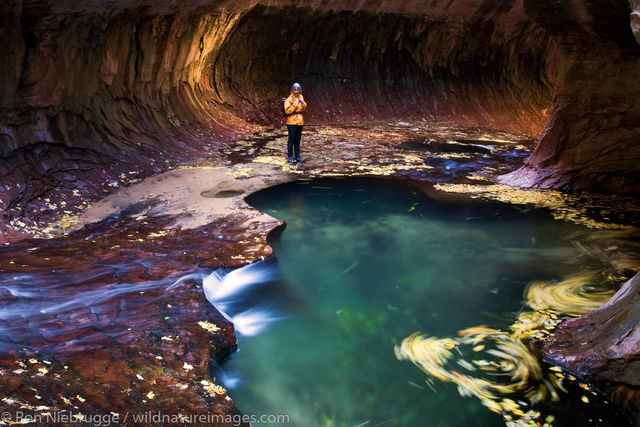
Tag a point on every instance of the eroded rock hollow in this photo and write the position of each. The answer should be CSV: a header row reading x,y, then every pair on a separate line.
x,y
93,90
88,90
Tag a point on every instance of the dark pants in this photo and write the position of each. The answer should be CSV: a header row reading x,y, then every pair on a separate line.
x,y
293,144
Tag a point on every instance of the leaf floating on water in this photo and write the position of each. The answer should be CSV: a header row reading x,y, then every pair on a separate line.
x,y
519,369
218,389
570,296
468,366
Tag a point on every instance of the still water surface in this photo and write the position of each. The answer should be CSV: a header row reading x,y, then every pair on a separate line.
x,y
363,264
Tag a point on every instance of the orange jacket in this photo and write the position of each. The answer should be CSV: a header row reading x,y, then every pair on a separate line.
x,y
293,105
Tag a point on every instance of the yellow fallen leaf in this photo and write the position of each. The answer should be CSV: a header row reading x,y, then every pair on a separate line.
x,y
209,326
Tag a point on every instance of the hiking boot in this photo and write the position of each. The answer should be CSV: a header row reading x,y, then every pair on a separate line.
x,y
292,161
300,159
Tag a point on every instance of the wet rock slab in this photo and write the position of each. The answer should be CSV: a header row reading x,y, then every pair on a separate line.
x,y
602,346
98,322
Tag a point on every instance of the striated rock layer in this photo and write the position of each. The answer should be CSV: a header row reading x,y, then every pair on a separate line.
x,y
590,140
90,91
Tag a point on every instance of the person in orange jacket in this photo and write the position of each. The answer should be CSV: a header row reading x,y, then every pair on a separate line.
x,y
294,105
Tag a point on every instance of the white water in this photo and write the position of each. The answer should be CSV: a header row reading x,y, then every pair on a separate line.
x,y
223,289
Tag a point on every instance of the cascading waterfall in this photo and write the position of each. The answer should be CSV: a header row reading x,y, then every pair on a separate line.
x,y
226,290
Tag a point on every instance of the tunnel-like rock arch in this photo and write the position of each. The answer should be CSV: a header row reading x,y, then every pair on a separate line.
x,y
143,83
89,89
92,90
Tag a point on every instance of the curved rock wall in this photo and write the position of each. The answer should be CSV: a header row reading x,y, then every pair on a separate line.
x,y
590,140
89,97
92,92
602,346
481,68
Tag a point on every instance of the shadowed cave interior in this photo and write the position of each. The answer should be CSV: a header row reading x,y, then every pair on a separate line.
x,y
96,96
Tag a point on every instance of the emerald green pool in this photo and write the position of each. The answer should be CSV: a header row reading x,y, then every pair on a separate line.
x,y
364,263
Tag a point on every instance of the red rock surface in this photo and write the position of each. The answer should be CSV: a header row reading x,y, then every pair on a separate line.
x,y
602,346
96,94
590,139
119,333
92,91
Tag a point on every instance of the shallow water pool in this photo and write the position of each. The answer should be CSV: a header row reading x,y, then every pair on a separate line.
x,y
364,263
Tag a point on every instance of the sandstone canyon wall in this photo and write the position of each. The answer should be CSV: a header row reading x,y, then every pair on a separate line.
x,y
590,140
90,91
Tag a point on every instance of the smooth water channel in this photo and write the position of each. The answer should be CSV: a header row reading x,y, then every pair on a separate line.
x,y
365,263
